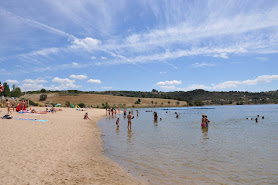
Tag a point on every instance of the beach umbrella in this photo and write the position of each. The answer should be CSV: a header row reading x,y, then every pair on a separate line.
x,y
58,104
1,87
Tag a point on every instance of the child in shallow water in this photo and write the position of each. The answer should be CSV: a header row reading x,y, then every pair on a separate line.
x,y
117,122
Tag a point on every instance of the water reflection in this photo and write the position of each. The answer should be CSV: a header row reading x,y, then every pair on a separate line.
x,y
205,133
129,135
117,131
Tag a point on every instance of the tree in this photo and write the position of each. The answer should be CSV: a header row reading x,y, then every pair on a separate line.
x,y
43,90
106,105
169,102
154,90
177,103
67,103
16,92
6,92
81,105
43,97
152,102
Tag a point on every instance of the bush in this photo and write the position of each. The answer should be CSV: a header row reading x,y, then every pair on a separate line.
x,y
43,97
33,103
81,105
67,103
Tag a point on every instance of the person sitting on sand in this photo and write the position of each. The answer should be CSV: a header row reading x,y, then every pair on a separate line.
x,y
22,105
117,122
86,116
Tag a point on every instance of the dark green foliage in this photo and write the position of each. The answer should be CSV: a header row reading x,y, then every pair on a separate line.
x,y
43,90
105,105
16,92
33,103
43,97
6,92
198,103
81,105
67,103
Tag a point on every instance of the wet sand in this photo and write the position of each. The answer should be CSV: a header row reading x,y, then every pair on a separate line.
x,y
64,150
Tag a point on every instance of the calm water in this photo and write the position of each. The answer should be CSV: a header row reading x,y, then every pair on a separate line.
x,y
177,151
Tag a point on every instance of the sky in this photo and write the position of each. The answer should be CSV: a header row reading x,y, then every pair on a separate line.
x,y
139,45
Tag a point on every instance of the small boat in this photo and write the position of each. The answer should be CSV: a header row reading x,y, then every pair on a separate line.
x,y
148,110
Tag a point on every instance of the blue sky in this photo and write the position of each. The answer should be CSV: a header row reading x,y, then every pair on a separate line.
x,y
97,45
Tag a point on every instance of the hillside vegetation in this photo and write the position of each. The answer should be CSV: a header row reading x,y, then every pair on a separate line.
x,y
98,100
154,98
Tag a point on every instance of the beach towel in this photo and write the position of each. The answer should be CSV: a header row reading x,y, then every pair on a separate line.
x,y
31,119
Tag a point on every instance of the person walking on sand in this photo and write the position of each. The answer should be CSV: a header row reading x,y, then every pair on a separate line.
x,y
129,118
15,104
117,122
8,105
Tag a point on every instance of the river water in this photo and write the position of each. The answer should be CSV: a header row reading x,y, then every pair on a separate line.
x,y
233,150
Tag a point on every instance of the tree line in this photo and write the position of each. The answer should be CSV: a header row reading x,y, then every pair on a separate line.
x,y
7,92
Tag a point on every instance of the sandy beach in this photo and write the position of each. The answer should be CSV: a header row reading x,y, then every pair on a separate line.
x,y
64,150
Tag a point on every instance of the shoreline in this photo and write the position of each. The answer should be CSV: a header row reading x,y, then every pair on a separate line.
x,y
65,150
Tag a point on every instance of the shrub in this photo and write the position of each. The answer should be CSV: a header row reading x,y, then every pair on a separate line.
x,y
81,105
43,97
33,103
67,103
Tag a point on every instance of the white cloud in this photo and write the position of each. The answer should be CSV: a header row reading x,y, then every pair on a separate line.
x,y
74,64
32,85
203,64
232,84
10,82
79,77
94,81
262,58
93,57
174,82
168,87
65,83
103,58
37,81
106,88
221,55
88,43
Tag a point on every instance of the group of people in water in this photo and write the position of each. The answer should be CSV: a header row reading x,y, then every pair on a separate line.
x,y
256,119
204,123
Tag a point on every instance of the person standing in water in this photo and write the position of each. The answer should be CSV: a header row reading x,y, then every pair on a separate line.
x,y
155,117
117,122
207,121
124,113
129,118
203,124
